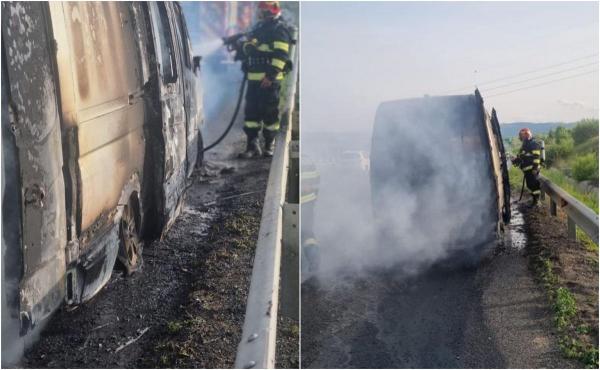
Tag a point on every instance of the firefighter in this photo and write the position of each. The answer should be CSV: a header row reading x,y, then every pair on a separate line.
x,y
266,54
309,186
529,160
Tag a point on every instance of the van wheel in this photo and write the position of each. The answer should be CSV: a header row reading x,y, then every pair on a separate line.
x,y
130,241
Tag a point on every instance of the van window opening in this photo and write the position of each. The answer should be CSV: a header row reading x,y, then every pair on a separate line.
x,y
184,36
167,56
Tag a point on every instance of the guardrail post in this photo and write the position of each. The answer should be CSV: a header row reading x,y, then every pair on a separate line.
x,y
578,215
290,277
552,207
571,228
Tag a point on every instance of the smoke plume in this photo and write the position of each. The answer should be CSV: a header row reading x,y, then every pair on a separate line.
x,y
429,196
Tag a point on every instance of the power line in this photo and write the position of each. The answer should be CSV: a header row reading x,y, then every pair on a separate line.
x,y
521,74
544,83
542,76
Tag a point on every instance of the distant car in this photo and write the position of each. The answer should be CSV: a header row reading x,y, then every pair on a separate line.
x,y
355,159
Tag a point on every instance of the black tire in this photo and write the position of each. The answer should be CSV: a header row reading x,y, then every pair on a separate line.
x,y
131,243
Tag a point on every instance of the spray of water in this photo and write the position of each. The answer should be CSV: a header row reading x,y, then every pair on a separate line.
x,y
208,47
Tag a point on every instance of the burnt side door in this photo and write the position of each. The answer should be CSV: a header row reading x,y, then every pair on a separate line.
x,y
171,92
33,209
191,84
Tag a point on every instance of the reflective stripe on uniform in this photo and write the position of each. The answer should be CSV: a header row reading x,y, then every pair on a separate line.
x,y
278,63
252,124
308,198
309,175
536,192
281,46
527,168
272,127
311,241
537,151
264,47
257,76
536,161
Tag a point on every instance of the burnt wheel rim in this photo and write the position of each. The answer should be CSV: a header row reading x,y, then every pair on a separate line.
x,y
130,238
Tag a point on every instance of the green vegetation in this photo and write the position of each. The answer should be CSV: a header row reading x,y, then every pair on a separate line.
x,y
173,327
585,167
565,307
565,316
515,177
589,198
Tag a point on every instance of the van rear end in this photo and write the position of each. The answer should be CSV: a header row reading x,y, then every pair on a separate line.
x,y
434,175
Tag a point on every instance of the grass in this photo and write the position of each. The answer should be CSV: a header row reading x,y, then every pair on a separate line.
x,y
565,310
590,199
173,327
587,242
565,307
515,177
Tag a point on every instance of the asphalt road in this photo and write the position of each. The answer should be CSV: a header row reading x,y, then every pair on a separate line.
x,y
373,316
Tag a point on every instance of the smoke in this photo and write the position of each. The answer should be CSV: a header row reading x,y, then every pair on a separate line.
x,y
206,48
221,76
429,196
13,345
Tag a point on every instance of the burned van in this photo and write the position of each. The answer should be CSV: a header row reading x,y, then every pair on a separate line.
x,y
438,174
100,136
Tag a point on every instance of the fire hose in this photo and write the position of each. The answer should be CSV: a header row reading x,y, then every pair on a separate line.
x,y
232,43
233,118
522,188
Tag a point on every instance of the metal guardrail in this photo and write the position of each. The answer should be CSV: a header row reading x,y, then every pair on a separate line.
x,y
257,346
577,213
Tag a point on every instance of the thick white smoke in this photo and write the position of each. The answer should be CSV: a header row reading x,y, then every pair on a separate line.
x,y
430,196
208,47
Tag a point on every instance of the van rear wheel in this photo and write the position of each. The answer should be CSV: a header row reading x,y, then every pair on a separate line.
x,y
131,244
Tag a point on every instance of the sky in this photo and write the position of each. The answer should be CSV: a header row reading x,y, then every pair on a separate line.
x,y
355,55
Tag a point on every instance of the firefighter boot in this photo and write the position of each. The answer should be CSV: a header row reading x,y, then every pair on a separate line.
x,y
269,147
252,149
269,136
535,200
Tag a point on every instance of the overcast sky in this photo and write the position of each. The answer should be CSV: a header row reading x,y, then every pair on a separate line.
x,y
356,55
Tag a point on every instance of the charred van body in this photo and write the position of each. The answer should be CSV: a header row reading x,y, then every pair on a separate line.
x,y
438,174
100,136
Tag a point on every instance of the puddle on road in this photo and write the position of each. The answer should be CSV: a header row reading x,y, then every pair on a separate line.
x,y
202,220
516,237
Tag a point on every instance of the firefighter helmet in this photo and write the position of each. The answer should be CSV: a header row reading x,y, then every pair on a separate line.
x,y
269,9
525,134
